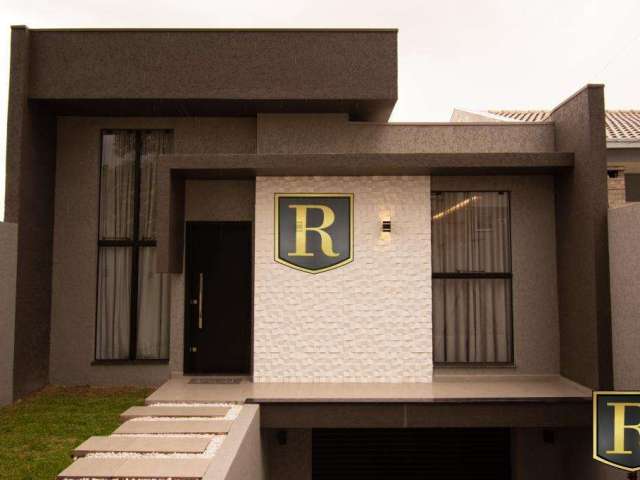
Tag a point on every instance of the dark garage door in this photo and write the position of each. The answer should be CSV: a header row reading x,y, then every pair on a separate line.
x,y
398,454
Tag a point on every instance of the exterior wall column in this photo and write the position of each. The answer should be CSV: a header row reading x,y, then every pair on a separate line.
x,y
581,224
31,140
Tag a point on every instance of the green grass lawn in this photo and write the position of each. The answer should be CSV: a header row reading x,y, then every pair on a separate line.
x,y
38,433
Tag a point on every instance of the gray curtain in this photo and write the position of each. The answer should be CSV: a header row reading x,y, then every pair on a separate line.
x,y
471,316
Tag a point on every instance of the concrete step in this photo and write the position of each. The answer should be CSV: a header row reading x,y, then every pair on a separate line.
x,y
121,468
133,444
174,426
170,411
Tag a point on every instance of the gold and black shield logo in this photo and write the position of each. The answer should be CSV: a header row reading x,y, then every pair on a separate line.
x,y
314,231
616,429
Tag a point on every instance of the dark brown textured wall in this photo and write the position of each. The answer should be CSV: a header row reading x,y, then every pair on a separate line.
x,y
583,260
29,203
214,64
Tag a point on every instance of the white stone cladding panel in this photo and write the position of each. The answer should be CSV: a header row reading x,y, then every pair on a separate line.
x,y
368,321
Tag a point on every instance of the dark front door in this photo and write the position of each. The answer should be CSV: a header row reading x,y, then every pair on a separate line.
x,y
218,298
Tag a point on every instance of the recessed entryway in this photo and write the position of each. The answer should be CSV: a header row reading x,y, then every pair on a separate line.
x,y
218,305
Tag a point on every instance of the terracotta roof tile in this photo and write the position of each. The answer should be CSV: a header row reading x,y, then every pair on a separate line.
x,y
522,115
621,125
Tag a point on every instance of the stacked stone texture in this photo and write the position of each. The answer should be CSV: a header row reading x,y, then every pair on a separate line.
x,y
368,321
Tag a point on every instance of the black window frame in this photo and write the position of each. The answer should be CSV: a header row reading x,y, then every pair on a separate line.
x,y
135,244
481,276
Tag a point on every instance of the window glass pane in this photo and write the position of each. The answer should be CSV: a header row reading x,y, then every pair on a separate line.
x,y
117,179
153,144
153,308
114,297
470,232
472,320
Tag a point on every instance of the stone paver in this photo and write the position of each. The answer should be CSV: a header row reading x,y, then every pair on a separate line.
x,y
175,426
92,468
169,411
175,468
133,444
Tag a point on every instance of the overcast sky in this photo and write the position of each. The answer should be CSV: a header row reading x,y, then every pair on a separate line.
x,y
471,54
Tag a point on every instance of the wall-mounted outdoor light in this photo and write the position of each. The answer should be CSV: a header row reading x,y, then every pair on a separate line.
x,y
385,224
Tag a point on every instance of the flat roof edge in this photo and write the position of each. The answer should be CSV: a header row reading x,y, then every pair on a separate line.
x,y
206,29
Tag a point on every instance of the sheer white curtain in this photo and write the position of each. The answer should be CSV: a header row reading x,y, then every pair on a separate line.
x,y
117,177
153,308
471,314
114,301
154,143
153,288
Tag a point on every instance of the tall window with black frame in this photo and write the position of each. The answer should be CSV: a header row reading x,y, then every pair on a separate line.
x,y
132,317
471,261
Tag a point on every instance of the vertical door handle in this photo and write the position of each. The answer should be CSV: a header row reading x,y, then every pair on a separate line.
x,y
200,294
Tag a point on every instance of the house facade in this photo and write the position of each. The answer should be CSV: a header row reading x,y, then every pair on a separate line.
x,y
235,203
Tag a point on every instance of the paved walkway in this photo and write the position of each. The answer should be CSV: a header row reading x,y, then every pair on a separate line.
x,y
183,430
161,440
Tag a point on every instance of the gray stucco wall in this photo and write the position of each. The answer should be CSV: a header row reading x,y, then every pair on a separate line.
x,y
535,296
8,272
581,226
624,258
333,133
76,232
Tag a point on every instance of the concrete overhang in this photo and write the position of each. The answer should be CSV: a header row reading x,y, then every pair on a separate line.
x,y
363,164
174,169
206,72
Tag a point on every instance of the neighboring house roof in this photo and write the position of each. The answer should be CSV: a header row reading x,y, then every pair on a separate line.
x,y
522,115
621,125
